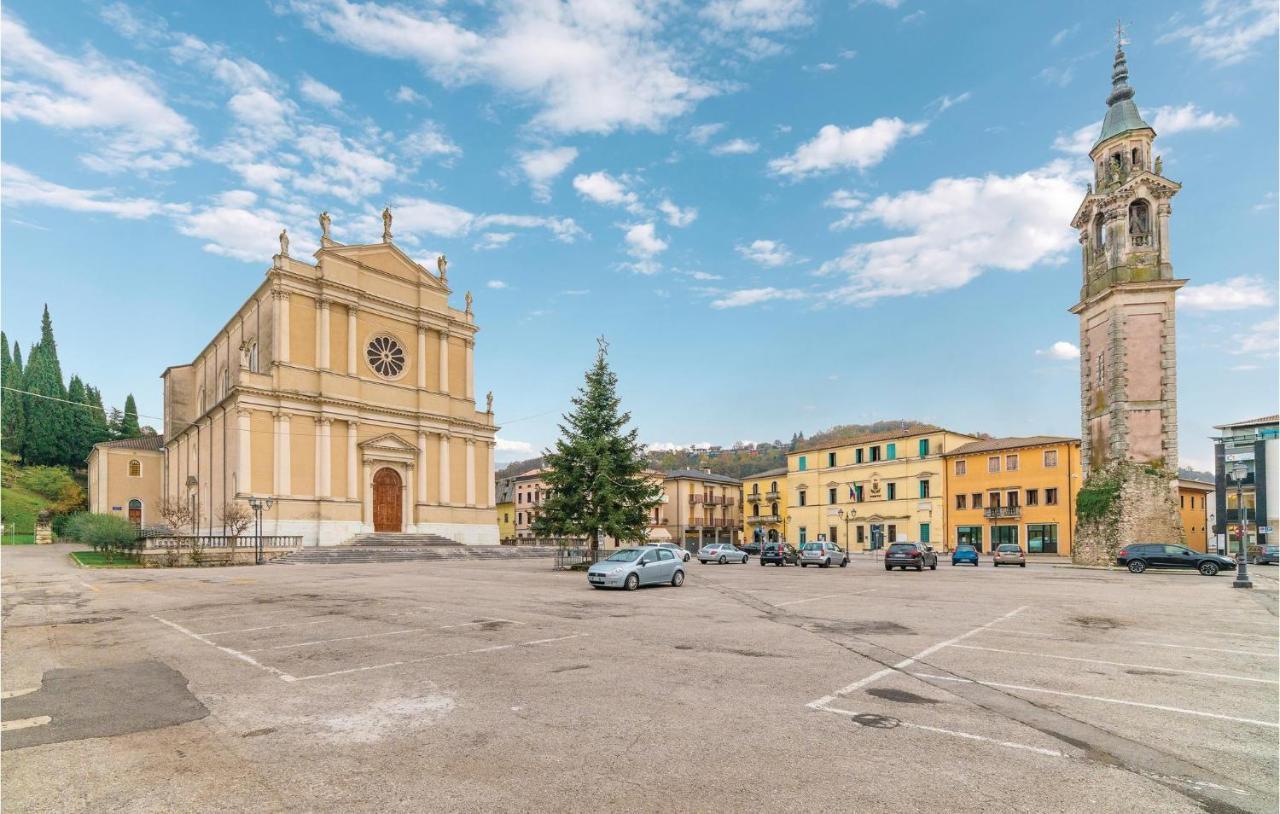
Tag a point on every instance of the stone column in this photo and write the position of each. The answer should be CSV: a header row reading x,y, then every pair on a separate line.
x,y
444,469
324,457
282,326
471,471
353,464
1163,210
489,471
351,340
421,361
471,372
422,465
322,334
244,464
444,361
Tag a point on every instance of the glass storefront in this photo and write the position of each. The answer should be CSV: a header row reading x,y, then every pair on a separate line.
x,y
1003,535
1042,538
969,535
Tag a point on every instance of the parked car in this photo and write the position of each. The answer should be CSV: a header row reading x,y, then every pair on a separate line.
x,y
779,554
1009,554
750,548
1269,555
721,553
910,555
632,567
823,554
1141,556
965,554
680,553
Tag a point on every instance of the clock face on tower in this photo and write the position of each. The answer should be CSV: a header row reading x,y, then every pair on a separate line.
x,y
385,356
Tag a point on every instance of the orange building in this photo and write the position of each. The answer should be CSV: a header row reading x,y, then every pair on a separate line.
x,y
1194,497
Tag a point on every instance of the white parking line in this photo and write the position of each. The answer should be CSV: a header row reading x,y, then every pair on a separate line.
x,y
1117,664
230,651
1023,688
1209,649
269,627
24,723
433,658
16,693
375,635
958,734
802,601
879,674
1034,634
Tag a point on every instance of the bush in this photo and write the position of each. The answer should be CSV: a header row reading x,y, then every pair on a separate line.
x,y
53,483
109,534
73,526
1097,496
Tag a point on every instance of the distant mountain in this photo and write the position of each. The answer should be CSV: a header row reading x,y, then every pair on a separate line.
x,y
1195,474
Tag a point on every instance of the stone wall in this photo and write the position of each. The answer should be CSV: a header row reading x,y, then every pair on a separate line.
x,y
1143,511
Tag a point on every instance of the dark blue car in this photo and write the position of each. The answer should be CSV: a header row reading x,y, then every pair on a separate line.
x,y
964,554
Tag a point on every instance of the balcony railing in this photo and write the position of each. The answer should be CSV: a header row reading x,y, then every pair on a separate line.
x,y
712,500
773,495
763,518
1002,512
1140,240
754,497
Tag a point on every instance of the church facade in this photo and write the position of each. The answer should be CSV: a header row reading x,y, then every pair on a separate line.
x,y
344,390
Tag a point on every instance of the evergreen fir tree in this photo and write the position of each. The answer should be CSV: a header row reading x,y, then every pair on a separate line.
x,y
46,429
129,423
596,472
11,413
78,440
51,348
99,430
114,419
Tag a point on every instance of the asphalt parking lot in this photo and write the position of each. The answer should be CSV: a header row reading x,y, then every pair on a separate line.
x,y
502,685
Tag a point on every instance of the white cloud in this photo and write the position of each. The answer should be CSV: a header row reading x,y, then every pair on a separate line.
x,y
757,15
232,229
755,296
495,284
341,167
703,132
406,95
563,229
1059,76
915,16
848,202
1262,339
494,240
945,102
603,188
1060,350
704,276
510,450
833,148
1232,294
676,216
1168,120
589,67
1229,29
264,176
21,187
767,253
1079,141
542,167
957,229
430,140
1062,35
116,104
316,91
643,242
735,146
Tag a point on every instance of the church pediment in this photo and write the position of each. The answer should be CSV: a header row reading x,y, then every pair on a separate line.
x,y
388,442
387,258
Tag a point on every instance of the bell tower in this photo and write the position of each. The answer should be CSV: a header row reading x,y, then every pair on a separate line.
x,y
1128,356
1128,360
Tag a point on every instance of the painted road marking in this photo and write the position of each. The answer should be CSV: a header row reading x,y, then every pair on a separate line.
x,y
270,627
25,723
879,674
956,734
16,693
375,635
439,656
1118,664
824,596
230,651
1208,649
1024,688
1095,642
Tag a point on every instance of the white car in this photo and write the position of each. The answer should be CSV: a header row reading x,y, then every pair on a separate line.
x,y
721,553
680,553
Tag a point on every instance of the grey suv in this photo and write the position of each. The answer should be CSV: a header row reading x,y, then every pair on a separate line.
x,y
910,555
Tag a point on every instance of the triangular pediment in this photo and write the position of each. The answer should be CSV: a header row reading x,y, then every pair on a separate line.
x,y
388,442
387,258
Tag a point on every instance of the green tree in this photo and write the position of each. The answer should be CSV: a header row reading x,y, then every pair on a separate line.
x,y
43,442
79,439
12,414
596,471
99,430
129,423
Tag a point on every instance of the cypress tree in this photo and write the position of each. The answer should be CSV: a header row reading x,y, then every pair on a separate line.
x,y
79,424
51,348
15,413
596,472
129,423
43,441
98,429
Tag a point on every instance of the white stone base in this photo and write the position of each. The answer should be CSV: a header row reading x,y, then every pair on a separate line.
x,y
465,533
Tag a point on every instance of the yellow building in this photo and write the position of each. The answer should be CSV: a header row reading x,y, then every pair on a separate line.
x,y
699,508
1014,490
764,506
866,492
1193,504
343,389
506,508
125,479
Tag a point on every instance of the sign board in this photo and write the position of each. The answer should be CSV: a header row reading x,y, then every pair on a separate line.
x,y
1239,456
1264,530
117,508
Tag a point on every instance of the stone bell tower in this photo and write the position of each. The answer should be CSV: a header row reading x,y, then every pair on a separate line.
x,y
1128,357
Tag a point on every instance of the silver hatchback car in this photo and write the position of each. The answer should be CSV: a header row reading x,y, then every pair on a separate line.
x,y
721,553
632,567
823,554
1009,554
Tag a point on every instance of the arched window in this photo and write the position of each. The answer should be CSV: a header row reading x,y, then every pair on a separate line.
x,y
1099,232
1137,158
135,468
1140,223
755,488
253,356
773,509
773,486
755,510
135,512
224,383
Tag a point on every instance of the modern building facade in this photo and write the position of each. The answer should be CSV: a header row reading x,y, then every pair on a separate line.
x,y
1013,490
1252,446
344,390
764,506
1194,500
866,492
126,479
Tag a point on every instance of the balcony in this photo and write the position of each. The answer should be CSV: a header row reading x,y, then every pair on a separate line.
x,y
772,495
1140,241
761,519
754,497
1002,512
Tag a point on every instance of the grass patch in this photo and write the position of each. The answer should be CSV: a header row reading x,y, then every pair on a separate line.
x,y
18,509
98,559
18,539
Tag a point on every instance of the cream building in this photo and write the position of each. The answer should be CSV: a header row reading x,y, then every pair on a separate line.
x,y
126,477
344,390
866,492
699,508
764,506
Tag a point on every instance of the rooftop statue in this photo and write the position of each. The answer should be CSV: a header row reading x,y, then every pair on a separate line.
x,y
442,263
386,225
284,243
324,225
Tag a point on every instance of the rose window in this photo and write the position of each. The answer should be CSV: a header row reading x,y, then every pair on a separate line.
x,y
385,356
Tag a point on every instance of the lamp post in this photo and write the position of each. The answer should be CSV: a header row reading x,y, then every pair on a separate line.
x,y
1242,564
258,504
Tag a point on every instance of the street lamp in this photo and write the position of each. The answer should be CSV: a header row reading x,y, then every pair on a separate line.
x,y
1242,567
258,504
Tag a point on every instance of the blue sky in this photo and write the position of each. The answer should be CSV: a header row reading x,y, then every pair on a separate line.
x,y
783,214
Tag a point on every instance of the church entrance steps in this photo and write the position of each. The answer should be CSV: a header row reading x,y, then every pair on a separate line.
x,y
361,552
398,539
